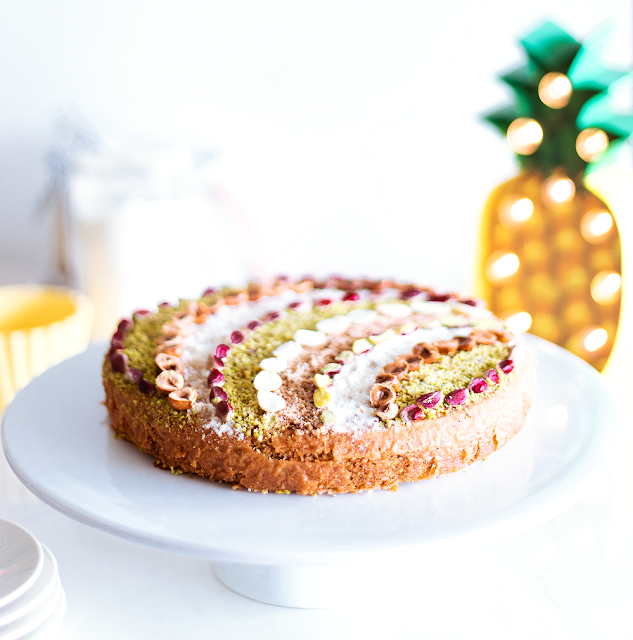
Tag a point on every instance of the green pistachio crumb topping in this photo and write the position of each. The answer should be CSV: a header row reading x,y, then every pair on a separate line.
x,y
453,372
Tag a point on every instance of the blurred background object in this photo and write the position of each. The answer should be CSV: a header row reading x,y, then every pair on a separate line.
x,y
550,251
152,224
319,138
39,327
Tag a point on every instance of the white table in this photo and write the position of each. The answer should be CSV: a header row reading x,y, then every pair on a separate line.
x,y
568,578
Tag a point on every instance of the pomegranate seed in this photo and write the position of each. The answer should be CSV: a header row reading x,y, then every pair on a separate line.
x,y
142,313
222,350
215,377
350,296
430,400
440,297
407,294
345,357
164,305
282,278
472,303
119,361
331,369
271,316
299,305
478,385
209,291
506,366
411,413
133,375
115,345
323,302
253,324
125,325
457,397
492,375
119,335
145,386
237,337
223,410
217,393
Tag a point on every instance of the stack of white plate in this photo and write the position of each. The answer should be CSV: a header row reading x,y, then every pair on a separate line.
x,y
32,602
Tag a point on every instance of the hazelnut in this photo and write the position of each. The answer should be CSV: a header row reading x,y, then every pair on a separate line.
x,y
381,394
446,347
412,361
199,311
165,362
483,336
170,339
217,304
428,352
170,350
389,380
175,327
256,291
388,412
302,286
398,369
466,343
504,335
168,381
235,296
182,399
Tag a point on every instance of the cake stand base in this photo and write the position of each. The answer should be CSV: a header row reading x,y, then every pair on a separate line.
x,y
303,587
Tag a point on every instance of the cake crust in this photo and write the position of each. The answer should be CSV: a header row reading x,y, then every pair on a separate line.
x,y
312,461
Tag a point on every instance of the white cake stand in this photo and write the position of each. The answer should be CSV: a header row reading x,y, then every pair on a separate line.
x,y
304,551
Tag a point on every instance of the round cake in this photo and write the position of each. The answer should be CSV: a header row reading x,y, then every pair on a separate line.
x,y
313,387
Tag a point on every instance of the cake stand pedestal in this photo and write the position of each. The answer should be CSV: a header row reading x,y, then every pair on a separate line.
x,y
303,551
317,587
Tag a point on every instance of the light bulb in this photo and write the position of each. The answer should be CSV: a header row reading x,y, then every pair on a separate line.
x,y
519,322
595,225
591,144
605,287
515,210
558,189
594,338
555,90
524,136
501,265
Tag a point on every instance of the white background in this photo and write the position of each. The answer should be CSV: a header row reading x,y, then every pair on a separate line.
x,y
349,131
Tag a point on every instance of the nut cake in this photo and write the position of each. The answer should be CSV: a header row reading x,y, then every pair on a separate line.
x,y
313,387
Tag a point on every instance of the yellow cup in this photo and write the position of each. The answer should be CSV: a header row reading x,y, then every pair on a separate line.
x,y
39,327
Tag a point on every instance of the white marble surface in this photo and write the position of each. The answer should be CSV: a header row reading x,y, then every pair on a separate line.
x,y
567,578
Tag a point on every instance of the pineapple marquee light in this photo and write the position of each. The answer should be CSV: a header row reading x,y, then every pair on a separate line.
x,y
550,249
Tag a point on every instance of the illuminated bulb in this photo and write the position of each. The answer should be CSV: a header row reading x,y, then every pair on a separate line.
x,y
501,265
595,225
605,287
594,338
591,144
558,189
555,90
524,136
519,322
515,210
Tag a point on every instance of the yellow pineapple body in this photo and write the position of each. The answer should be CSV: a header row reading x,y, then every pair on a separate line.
x,y
557,260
